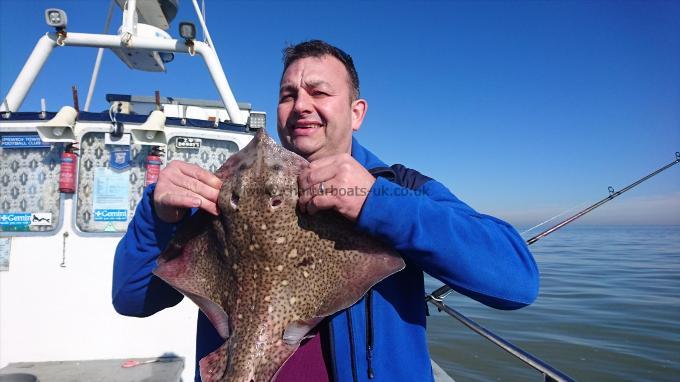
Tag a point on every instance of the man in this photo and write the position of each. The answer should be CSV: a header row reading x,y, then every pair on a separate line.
x,y
381,337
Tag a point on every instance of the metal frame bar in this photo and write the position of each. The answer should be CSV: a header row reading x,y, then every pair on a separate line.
x,y
47,43
129,13
549,372
199,14
98,61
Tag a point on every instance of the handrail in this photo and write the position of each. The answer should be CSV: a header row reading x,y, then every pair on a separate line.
x,y
48,42
549,372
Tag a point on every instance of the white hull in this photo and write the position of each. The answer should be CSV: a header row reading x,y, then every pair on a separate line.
x,y
49,312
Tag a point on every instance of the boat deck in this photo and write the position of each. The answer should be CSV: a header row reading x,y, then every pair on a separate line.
x,y
166,369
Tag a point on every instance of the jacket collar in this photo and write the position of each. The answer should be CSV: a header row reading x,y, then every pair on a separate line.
x,y
375,166
365,157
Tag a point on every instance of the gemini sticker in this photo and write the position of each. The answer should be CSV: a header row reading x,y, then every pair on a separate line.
x,y
26,218
110,215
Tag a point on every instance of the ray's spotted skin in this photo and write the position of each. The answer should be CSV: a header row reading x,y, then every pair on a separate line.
x,y
262,272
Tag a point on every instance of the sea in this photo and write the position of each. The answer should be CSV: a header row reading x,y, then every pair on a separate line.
x,y
608,310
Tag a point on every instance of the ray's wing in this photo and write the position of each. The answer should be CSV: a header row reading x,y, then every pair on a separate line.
x,y
195,264
359,270
358,261
345,268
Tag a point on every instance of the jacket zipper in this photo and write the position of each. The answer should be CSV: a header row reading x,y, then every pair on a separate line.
x,y
388,173
352,354
331,348
369,335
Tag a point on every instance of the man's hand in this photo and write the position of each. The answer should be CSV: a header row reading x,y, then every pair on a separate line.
x,y
181,186
345,186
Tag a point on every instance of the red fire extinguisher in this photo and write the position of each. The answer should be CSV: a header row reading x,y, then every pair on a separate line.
x,y
69,166
153,165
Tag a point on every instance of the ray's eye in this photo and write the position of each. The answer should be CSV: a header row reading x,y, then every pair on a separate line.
x,y
234,200
271,189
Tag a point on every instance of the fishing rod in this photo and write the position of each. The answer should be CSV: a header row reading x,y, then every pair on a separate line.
x,y
549,373
612,194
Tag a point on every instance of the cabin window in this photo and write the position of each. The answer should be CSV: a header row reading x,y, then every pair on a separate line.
x,y
29,183
207,153
109,186
111,178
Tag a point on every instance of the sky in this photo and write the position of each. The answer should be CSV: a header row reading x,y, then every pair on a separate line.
x,y
524,109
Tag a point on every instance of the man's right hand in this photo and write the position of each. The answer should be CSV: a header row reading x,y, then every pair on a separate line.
x,y
182,186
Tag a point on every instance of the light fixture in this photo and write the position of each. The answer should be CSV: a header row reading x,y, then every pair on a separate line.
x,y
187,30
166,56
60,128
257,120
56,18
151,131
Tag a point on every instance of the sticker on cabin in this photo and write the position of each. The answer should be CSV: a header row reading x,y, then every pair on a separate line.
x,y
110,215
120,157
24,141
188,143
26,219
41,219
15,218
5,248
110,195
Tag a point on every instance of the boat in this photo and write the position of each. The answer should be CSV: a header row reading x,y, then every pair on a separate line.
x,y
70,180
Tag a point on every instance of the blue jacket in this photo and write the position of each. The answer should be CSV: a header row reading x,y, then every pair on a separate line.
x,y
383,334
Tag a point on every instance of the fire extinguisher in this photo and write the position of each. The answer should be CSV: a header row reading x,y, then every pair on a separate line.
x,y
69,166
153,165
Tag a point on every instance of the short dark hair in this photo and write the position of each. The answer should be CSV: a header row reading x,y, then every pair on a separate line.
x,y
319,48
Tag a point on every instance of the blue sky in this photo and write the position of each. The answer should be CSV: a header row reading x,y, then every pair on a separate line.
x,y
523,109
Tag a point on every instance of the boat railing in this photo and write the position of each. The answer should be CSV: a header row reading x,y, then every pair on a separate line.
x,y
550,374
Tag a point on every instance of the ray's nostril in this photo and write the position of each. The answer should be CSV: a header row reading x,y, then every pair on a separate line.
x,y
234,200
276,201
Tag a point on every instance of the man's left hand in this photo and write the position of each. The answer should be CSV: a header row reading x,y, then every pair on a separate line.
x,y
336,182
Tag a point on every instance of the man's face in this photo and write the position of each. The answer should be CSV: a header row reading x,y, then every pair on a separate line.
x,y
316,116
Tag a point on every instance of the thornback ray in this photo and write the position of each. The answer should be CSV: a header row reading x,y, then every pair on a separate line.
x,y
264,273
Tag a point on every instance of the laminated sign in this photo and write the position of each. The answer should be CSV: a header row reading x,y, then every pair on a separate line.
x,y
111,195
